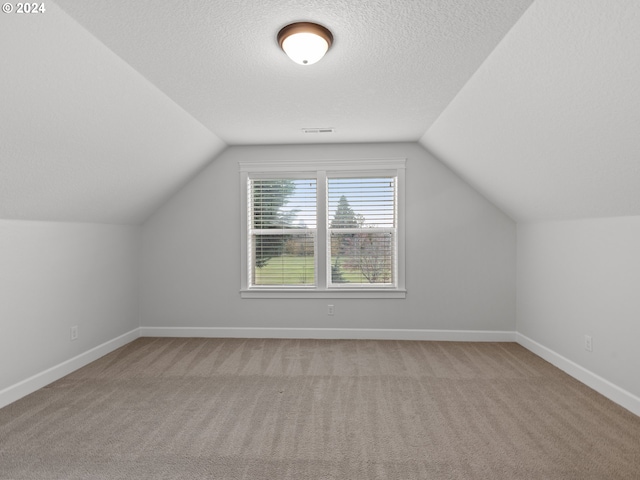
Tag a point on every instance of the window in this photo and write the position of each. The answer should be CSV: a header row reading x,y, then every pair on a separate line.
x,y
282,231
323,229
362,230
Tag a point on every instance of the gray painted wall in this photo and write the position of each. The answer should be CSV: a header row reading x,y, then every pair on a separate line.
x,y
54,276
461,254
573,277
578,278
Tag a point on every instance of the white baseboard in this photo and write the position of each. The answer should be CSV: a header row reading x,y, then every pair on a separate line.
x,y
599,384
331,333
39,380
605,387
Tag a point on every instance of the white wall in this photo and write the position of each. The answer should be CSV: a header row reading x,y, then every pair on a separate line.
x,y
579,278
54,276
461,254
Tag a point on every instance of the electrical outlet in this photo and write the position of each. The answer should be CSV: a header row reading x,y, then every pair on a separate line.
x,y
330,310
74,332
588,343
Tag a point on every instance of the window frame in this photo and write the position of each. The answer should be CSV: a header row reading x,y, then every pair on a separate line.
x,y
322,170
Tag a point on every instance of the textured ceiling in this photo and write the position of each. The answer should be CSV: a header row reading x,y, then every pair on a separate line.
x,y
394,66
109,106
549,126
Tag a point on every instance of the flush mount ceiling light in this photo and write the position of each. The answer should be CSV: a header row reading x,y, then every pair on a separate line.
x,y
304,42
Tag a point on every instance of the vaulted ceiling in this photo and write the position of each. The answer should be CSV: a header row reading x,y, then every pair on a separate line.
x,y
109,106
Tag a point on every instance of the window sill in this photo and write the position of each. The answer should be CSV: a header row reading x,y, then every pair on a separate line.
x,y
334,293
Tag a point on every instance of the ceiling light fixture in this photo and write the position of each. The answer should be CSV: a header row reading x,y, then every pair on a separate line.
x,y
305,43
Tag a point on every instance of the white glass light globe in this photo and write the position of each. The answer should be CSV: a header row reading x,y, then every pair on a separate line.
x,y
305,48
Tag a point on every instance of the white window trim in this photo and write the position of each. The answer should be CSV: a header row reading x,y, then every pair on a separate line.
x,y
322,168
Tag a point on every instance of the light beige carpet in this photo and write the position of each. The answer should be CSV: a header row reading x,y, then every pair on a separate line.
x,y
314,409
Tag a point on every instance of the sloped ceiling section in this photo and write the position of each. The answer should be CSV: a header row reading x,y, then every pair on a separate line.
x,y
110,106
393,68
549,126
83,136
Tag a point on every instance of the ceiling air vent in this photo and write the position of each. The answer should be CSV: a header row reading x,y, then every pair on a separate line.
x,y
318,130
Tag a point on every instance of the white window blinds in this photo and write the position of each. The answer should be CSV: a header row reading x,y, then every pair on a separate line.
x,y
323,228
282,231
362,230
